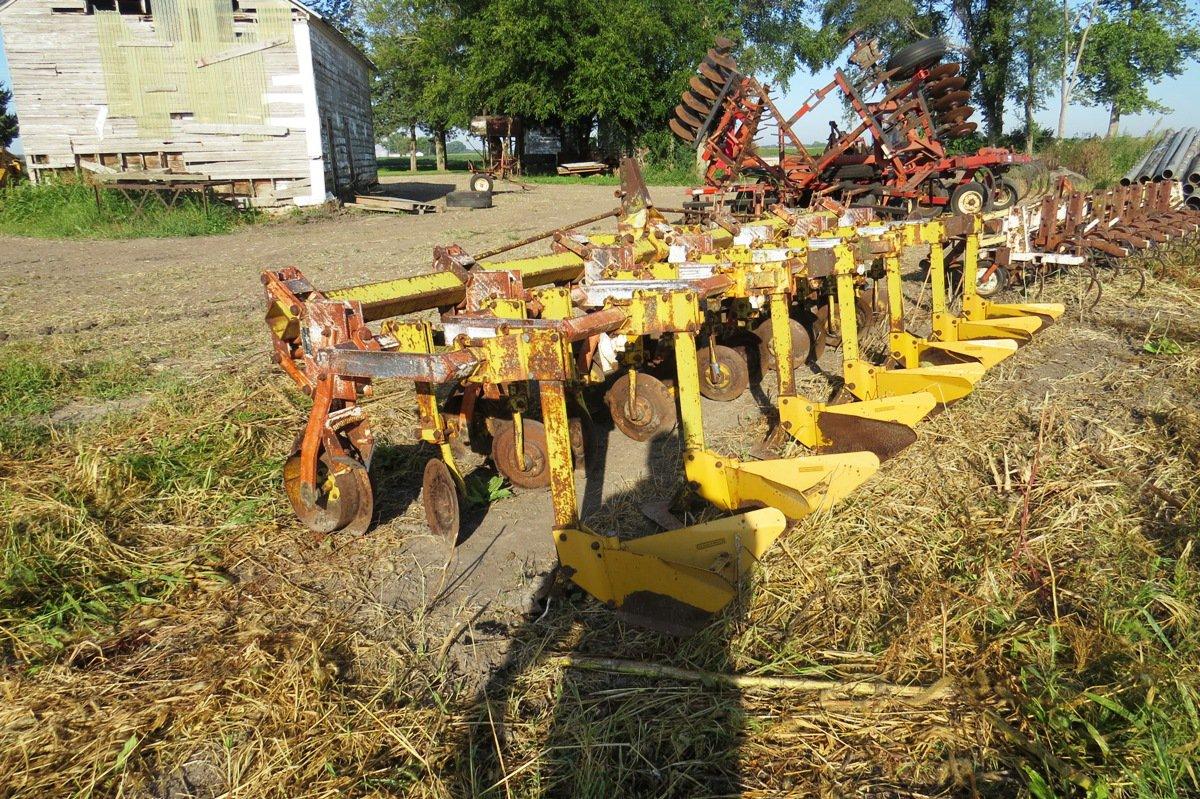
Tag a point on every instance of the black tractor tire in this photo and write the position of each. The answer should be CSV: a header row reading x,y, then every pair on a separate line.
x,y
469,199
924,53
482,183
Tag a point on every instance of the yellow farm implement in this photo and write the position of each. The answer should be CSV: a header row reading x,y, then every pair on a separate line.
x,y
660,315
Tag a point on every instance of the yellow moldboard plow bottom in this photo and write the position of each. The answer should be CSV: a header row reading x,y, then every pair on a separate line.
x,y
797,487
675,581
986,352
946,383
882,427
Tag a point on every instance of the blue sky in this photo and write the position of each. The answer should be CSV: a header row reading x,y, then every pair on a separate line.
x,y
1179,94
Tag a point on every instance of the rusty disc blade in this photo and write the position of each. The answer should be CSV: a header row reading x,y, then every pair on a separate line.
x,y
680,131
860,434
688,118
948,101
945,85
723,44
958,131
703,88
439,498
697,104
943,71
713,74
721,60
651,415
956,115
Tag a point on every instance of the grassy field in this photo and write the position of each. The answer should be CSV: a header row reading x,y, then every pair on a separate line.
x,y
163,629
69,210
457,162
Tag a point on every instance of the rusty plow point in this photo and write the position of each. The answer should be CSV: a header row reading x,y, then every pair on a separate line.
x,y
847,433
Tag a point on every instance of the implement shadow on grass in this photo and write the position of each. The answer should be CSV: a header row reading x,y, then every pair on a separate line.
x,y
539,729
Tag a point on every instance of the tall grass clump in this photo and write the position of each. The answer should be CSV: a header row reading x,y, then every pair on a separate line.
x,y
121,511
1101,161
67,209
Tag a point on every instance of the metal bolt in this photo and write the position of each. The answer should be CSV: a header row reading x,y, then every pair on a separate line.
x,y
595,545
562,536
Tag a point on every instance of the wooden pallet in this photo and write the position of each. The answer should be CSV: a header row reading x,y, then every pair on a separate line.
x,y
583,168
390,205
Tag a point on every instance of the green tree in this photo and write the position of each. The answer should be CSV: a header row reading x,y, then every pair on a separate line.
x,y
1037,27
343,15
1134,45
417,47
8,122
580,65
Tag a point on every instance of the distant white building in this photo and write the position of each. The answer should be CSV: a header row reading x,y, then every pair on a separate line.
x,y
264,93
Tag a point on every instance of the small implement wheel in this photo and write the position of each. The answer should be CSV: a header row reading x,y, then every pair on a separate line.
x,y
536,473
651,415
439,497
344,501
732,376
1004,195
968,198
801,345
482,182
992,284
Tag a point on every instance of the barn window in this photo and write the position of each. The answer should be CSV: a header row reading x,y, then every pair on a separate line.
x,y
132,8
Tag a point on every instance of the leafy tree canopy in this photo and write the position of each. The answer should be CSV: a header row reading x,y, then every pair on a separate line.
x,y
1134,45
8,122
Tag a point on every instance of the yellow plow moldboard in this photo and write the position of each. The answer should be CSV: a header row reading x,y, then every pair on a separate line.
x,y
672,582
883,427
1048,312
1018,328
946,383
987,352
796,486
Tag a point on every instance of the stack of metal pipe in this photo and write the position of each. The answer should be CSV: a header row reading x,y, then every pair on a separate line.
x,y
1176,156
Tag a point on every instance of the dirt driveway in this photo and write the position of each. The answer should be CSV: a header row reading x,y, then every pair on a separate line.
x,y
197,301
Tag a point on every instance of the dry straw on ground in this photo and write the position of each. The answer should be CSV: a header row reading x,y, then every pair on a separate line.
x,y
1023,552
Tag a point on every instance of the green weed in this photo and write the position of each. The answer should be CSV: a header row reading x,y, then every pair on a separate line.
x,y
484,490
68,209
1162,345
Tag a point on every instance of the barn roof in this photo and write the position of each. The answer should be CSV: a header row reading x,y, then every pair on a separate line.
x,y
309,12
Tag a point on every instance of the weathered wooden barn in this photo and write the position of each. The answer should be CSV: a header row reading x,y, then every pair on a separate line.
x,y
263,93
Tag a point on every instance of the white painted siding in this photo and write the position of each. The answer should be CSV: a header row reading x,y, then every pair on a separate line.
x,y
60,97
344,103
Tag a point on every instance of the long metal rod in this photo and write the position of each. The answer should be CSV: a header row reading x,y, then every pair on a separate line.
x,y
545,234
